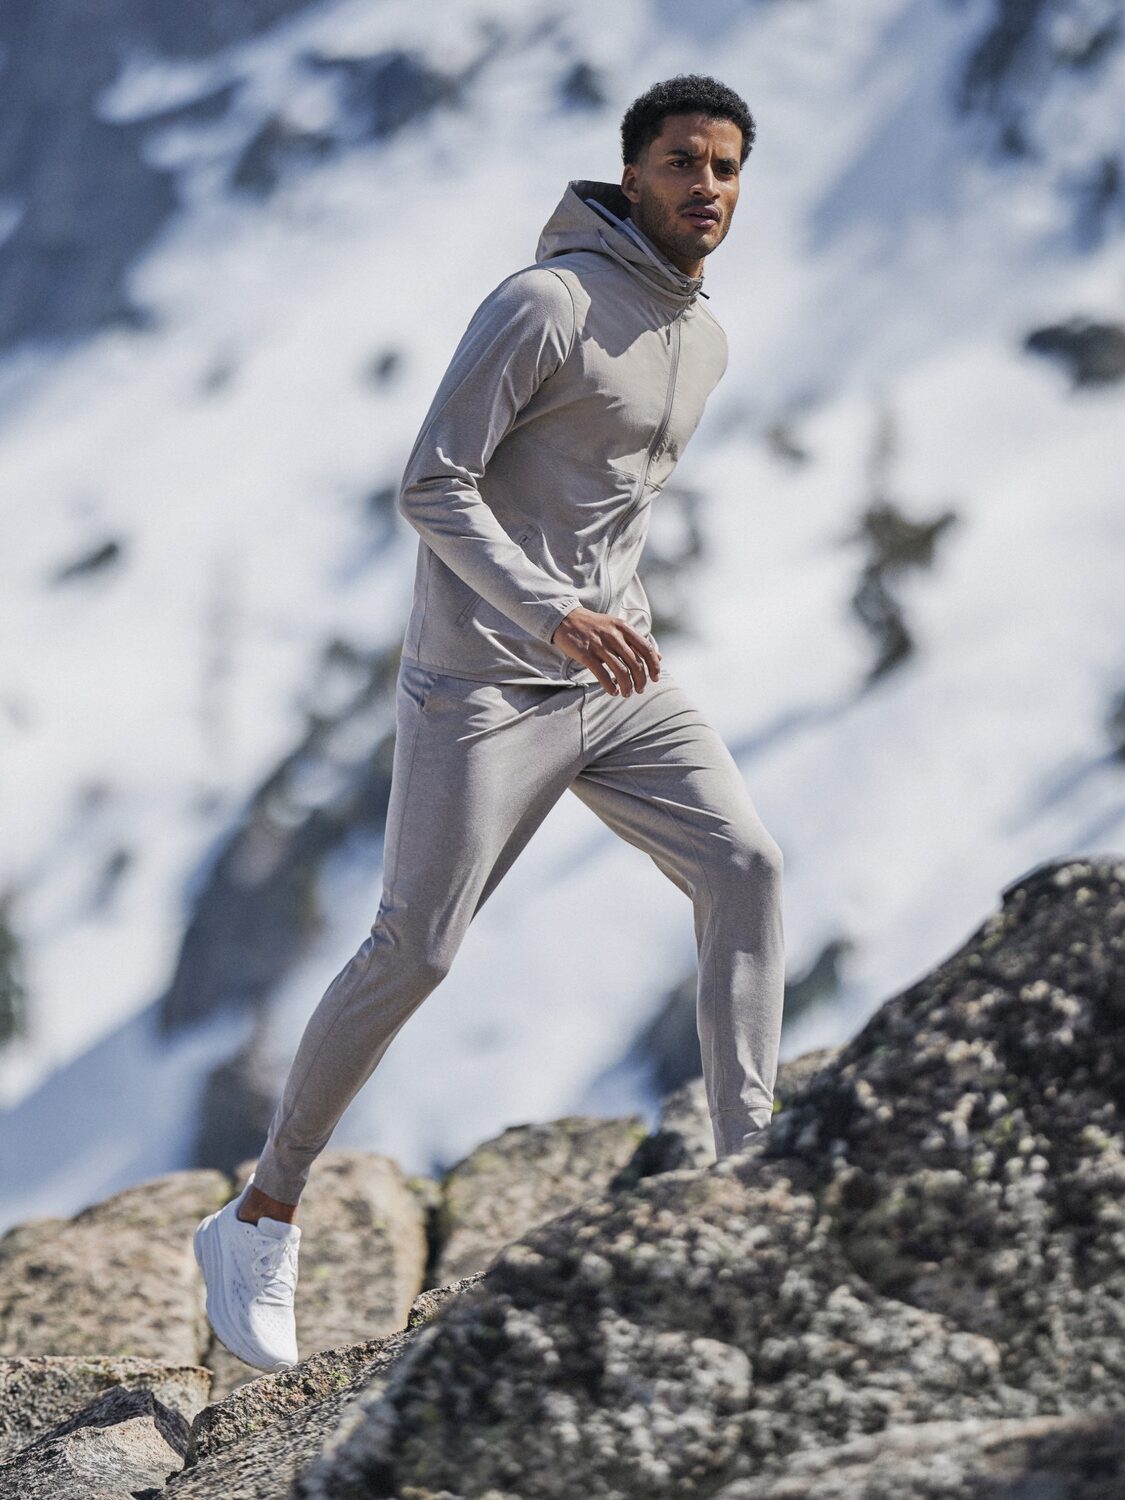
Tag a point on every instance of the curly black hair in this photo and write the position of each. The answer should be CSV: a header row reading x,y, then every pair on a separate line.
x,y
687,93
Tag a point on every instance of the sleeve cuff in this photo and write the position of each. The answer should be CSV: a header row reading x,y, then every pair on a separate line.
x,y
554,612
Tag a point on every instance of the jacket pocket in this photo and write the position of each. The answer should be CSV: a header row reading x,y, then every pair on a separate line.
x,y
520,537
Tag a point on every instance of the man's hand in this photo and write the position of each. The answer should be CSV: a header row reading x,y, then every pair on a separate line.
x,y
618,655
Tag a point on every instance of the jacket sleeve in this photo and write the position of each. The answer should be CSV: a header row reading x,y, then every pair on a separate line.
x,y
519,335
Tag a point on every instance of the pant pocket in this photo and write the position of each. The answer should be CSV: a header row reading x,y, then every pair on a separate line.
x,y
416,683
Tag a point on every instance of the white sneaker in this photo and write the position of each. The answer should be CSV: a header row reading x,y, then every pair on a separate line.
x,y
250,1272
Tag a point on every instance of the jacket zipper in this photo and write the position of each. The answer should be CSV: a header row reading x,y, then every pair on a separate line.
x,y
673,330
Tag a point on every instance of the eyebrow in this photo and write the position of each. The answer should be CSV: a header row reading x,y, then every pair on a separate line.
x,y
726,161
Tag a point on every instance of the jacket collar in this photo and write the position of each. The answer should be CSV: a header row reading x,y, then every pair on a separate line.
x,y
594,216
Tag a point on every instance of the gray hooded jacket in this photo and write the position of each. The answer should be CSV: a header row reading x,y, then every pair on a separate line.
x,y
560,417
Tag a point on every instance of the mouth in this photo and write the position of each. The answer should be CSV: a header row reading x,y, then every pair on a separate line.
x,y
704,218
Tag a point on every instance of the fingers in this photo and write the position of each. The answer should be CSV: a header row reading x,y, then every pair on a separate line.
x,y
646,650
622,660
631,658
600,670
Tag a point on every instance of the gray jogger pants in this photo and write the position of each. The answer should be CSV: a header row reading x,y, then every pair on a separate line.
x,y
477,767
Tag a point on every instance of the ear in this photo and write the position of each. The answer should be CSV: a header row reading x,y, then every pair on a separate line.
x,y
629,183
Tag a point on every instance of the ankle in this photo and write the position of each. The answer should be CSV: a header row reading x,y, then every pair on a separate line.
x,y
256,1205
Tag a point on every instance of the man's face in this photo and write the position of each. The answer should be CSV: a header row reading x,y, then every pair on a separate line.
x,y
683,188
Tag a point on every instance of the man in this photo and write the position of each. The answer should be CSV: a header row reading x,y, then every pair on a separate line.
x,y
529,667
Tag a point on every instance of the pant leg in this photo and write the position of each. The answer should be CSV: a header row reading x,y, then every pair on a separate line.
x,y
477,767
659,774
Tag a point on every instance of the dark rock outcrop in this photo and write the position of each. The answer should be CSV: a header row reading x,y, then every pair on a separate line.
x,y
1043,1458
237,1103
90,200
1092,351
932,1230
895,544
910,1285
13,985
255,910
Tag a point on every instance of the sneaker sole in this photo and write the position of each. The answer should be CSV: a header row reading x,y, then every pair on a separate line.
x,y
209,1260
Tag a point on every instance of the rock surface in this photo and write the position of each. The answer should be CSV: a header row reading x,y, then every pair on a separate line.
x,y
522,1177
121,1444
270,1399
39,1392
911,1285
934,1229
257,1441
119,1278
1043,1458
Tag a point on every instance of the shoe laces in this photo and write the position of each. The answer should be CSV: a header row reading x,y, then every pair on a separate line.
x,y
277,1266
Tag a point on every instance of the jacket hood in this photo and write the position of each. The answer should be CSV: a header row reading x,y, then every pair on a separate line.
x,y
595,216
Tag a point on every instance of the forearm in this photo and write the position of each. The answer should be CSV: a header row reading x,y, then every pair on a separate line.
x,y
456,523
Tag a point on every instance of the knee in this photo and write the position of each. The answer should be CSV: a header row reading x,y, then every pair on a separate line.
x,y
756,857
428,962
427,956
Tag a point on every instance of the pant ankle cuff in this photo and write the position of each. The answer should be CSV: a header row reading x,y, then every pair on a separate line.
x,y
285,1187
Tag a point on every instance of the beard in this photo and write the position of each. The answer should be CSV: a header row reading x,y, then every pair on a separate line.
x,y
667,230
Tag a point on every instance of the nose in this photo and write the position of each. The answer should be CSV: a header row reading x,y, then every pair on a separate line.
x,y
704,184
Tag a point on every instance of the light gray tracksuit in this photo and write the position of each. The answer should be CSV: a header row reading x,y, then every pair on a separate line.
x,y
559,419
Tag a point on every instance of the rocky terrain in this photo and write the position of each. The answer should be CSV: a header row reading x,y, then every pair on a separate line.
x,y
911,1285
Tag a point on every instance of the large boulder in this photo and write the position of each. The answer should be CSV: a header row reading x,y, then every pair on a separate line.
x,y
909,1285
1040,1458
124,1443
119,1278
932,1230
520,1178
39,1392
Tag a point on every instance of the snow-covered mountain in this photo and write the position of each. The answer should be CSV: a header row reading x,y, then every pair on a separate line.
x,y
237,247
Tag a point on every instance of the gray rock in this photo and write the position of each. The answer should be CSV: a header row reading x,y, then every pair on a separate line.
x,y
969,1142
909,1285
39,1392
933,1230
362,1262
256,1443
119,1278
644,1343
1091,349
122,1443
1043,1458
684,1137
427,1304
522,1177
270,1399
